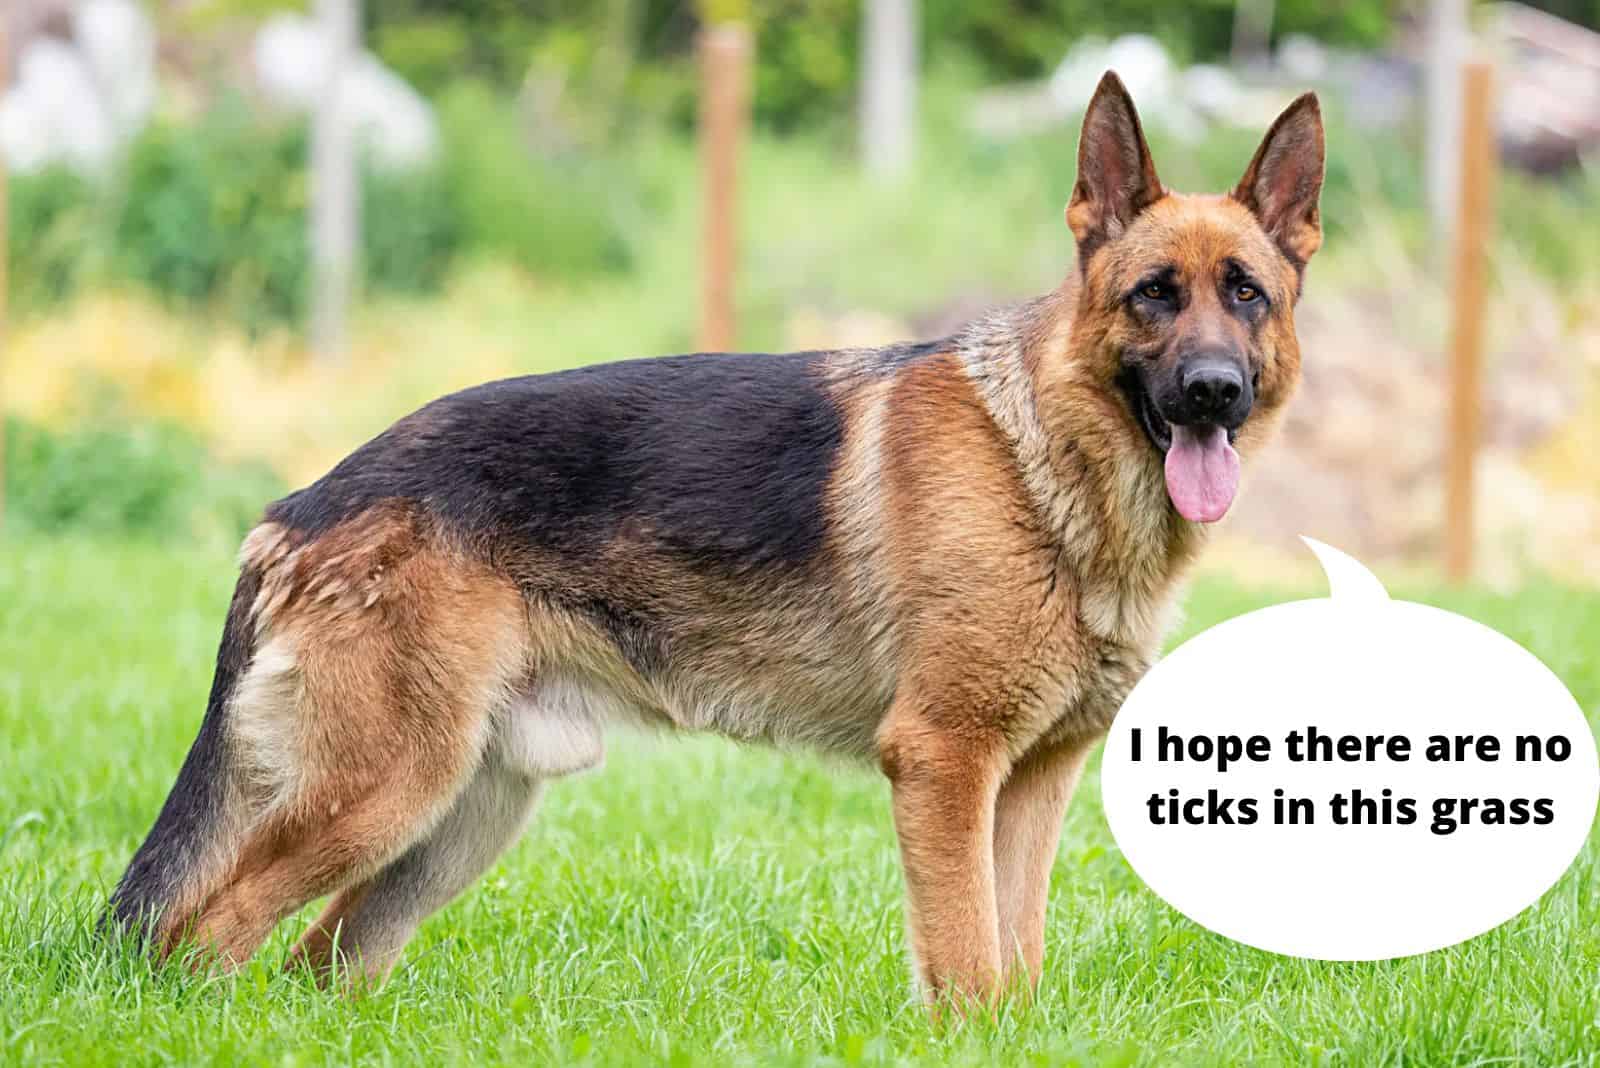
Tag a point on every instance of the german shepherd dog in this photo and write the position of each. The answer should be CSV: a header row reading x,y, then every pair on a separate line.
x,y
953,559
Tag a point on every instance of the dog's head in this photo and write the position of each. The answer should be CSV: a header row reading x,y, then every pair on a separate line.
x,y
1186,303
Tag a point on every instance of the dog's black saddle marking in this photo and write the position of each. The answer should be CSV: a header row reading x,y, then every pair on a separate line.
x,y
720,460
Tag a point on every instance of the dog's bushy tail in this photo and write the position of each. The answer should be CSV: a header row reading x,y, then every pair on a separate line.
x,y
187,852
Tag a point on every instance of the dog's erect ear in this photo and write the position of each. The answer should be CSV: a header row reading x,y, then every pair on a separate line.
x,y
1284,181
1116,176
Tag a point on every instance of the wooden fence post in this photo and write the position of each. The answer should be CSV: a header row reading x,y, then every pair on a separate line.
x,y
724,94
1474,227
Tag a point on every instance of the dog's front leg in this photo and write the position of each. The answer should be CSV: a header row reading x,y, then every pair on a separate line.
x,y
944,784
1027,831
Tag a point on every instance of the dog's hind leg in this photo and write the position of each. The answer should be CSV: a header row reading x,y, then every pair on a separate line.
x,y
555,728
395,655
297,858
367,925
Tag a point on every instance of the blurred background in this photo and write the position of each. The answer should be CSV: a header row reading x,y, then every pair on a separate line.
x,y
243,236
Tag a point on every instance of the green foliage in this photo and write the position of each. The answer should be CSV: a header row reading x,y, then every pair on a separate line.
x,y
437,42
429,52
806,58
148,479
411,230
213,216
51,217
807,53
562,216
216,213
1554,223
1027,38
1583,12
206,13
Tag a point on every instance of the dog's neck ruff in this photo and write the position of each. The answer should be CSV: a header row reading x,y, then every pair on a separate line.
x,y
1104,505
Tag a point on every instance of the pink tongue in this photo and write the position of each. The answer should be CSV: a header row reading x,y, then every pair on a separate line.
x,y
1202,472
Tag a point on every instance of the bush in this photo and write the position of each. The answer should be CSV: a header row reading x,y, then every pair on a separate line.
x,y
212,217
52,219
146,480
410,231
435,43
428,52
807,55
215,214
1027,38
562,216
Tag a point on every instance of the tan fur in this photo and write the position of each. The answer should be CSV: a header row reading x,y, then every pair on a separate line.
x,y
366,925
387,658
1017,637
1028,813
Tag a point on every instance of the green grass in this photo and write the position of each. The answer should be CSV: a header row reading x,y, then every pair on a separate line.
x,y
693,902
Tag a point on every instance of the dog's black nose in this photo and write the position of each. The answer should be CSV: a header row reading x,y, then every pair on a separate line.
x,y
1214,390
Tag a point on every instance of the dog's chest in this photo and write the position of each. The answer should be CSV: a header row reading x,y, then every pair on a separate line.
x,y
1112,639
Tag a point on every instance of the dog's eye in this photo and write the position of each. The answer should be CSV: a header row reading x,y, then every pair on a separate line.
x,y
1154,291
1245,294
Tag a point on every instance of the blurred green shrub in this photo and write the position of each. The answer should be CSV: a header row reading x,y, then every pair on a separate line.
x,y
1554,223
807,58
560,216
149,479
430,52
410,231
433,43
51,217
1027,38
212,216
807,50
215,213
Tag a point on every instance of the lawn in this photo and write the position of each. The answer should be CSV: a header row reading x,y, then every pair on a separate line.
x,y
693,902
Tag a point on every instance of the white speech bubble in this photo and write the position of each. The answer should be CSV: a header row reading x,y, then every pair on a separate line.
x,y
1357,664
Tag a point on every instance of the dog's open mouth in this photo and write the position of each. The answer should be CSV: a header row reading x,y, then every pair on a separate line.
x,y
1201,467
1156,427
